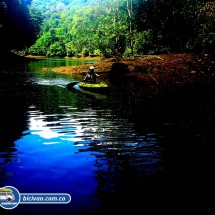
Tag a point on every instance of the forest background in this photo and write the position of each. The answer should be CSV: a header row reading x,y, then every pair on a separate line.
x,y
106,27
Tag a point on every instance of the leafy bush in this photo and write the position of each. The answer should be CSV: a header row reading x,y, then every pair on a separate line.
x,y
143,42
56,49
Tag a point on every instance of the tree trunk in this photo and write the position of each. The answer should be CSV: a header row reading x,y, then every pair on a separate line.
x,y
129,9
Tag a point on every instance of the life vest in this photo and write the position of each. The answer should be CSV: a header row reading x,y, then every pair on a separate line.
x,y
90,77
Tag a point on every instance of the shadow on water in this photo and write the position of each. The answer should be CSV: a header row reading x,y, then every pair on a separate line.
x,y
182,120
15,96
173,139
139,147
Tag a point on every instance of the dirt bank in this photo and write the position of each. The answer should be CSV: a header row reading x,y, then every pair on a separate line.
x,y
178,69
101,67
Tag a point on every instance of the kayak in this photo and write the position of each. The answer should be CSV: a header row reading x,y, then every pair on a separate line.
x,y
101,88
89,86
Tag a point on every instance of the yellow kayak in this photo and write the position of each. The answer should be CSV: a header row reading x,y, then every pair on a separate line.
x,y
100,85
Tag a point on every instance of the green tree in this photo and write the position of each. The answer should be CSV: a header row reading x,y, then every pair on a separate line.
x,y
16,27
206,29
173,23
126,27
56,49
82,30
42,45
143,42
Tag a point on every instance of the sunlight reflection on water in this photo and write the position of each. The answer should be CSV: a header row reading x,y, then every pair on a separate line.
x,y
85,129
71,142
73,146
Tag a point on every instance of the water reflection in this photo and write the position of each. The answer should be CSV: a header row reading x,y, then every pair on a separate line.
x,y
15,94
81,144
56,62
103,150
96,131
74,138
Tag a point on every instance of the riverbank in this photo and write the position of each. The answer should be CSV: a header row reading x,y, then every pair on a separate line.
x,y
177,69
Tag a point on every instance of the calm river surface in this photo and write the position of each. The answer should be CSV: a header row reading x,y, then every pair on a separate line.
x,y
138,149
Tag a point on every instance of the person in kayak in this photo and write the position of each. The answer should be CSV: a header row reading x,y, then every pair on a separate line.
x,y
91,76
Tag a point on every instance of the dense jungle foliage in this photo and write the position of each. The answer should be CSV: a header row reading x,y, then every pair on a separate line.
x,y
107,27
17,27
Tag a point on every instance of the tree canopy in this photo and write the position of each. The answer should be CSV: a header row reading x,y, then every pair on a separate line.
x,y
17,29
107,27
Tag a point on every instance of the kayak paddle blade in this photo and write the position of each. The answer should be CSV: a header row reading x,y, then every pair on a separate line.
x,y
72,84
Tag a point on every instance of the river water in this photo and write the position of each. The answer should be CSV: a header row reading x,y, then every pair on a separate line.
x,y
136,147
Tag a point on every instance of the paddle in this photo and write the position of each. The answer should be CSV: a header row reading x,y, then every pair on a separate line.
x,y
73,83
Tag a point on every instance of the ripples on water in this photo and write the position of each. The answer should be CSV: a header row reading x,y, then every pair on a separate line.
x,y
86,146
79,141
120,150
95,131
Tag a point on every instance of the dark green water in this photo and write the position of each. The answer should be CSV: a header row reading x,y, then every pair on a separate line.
x,y
140,149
